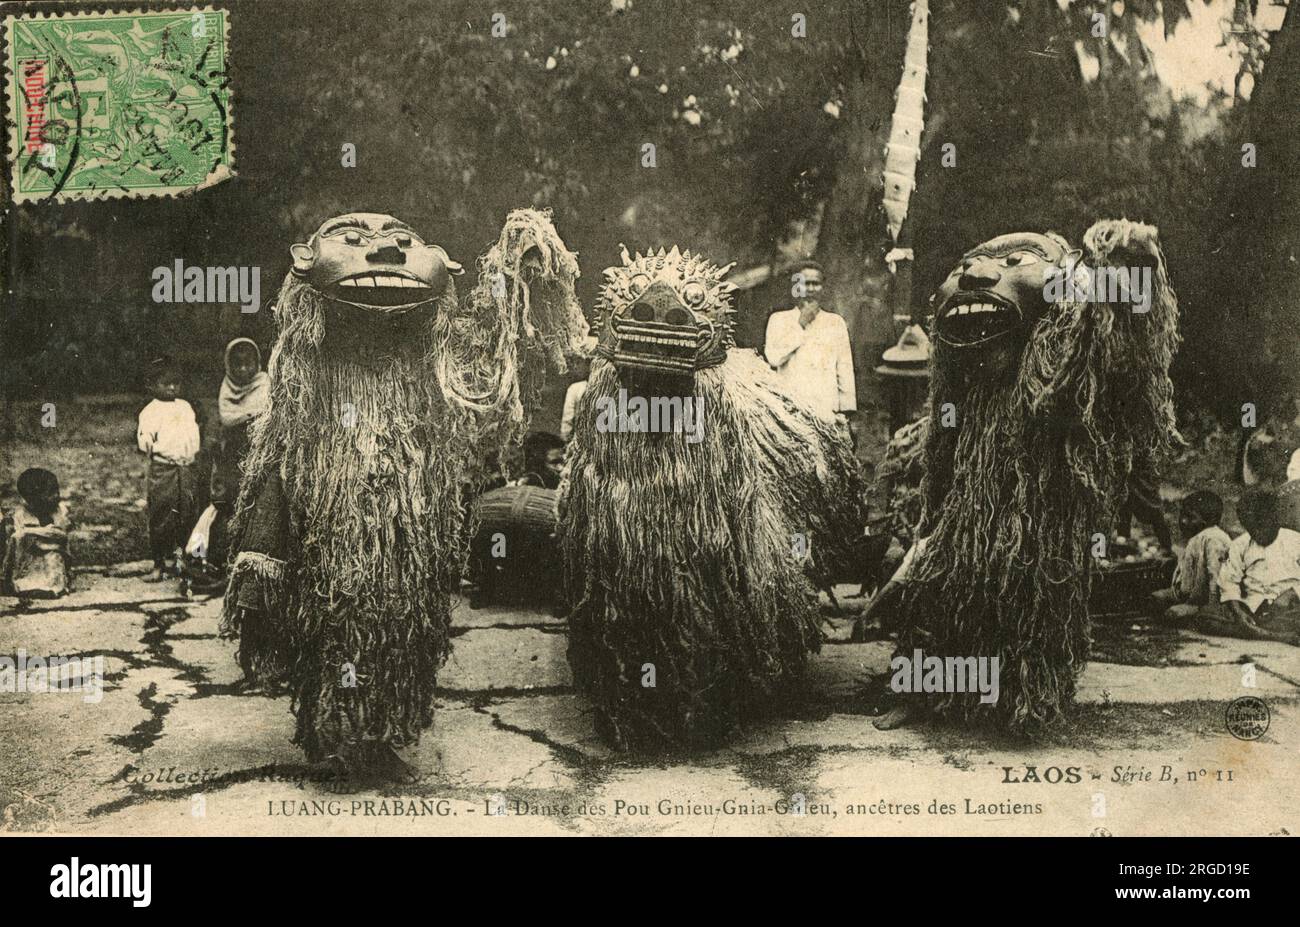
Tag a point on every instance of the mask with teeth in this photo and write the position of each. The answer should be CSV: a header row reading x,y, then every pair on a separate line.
x,y
994,297
373,262
386,394
1062,401
667,314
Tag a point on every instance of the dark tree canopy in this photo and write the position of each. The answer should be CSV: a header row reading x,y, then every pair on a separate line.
x,y
755,132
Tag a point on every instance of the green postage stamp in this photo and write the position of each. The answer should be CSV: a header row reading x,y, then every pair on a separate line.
x,y
104,105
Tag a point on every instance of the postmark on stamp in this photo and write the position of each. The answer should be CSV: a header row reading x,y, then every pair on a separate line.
x,y
104,105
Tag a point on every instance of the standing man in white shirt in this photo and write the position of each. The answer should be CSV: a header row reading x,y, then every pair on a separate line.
x,y
808,347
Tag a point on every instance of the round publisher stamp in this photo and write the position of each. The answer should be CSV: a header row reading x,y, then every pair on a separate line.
x,y
1247,718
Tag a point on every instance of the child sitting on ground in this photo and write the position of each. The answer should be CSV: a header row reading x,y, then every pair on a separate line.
x,y
1196,577
1259,584
35,562
169,433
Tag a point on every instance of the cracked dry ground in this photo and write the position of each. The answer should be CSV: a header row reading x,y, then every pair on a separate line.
x,y
509,726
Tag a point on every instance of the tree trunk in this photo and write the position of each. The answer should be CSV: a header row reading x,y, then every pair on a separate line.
x,y
1267,237
853,238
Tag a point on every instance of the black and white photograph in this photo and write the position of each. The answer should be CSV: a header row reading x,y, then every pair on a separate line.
x,y
744,418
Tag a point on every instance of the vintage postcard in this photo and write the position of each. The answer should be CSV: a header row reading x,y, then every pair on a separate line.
x,y
733,417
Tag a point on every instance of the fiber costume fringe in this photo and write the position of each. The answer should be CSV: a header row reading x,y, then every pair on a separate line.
x,y
350,524
686,556
255,581
1036,464
482,366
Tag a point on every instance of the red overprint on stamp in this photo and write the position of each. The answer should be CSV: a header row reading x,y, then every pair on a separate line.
x,y
34,71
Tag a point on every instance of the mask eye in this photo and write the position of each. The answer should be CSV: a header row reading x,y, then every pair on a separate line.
x,y
1019,259
638,284
352,237
694,294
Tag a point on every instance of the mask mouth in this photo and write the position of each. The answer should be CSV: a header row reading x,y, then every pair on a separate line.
x,y
657,346
389,291
969,319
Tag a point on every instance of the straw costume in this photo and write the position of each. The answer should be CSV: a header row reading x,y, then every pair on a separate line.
x,y
691,553
386,392
1041,409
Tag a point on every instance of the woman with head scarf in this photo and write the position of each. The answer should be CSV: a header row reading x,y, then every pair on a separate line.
x,y
245,394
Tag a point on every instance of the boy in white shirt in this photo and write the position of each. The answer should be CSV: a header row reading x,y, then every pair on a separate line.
x,y
1259,584
169,433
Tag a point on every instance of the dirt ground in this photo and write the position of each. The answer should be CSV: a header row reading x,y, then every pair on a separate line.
x,y
174,745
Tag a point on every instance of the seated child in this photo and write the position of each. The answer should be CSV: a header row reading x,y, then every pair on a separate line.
x,y
1196,577
35,561
169,433
1259,584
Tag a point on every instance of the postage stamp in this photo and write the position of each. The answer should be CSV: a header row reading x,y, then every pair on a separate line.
x,y
104,105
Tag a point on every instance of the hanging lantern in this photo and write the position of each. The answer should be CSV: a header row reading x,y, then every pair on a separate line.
x,y
904,373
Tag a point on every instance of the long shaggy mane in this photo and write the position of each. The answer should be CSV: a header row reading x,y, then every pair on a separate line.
x,y
512,332
683,556
375,429
1036,464
372,459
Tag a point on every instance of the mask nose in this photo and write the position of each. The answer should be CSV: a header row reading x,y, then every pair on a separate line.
x,y
981,272
387,253
659,303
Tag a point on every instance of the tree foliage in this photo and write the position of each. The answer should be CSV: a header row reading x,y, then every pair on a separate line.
x,y
754,130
